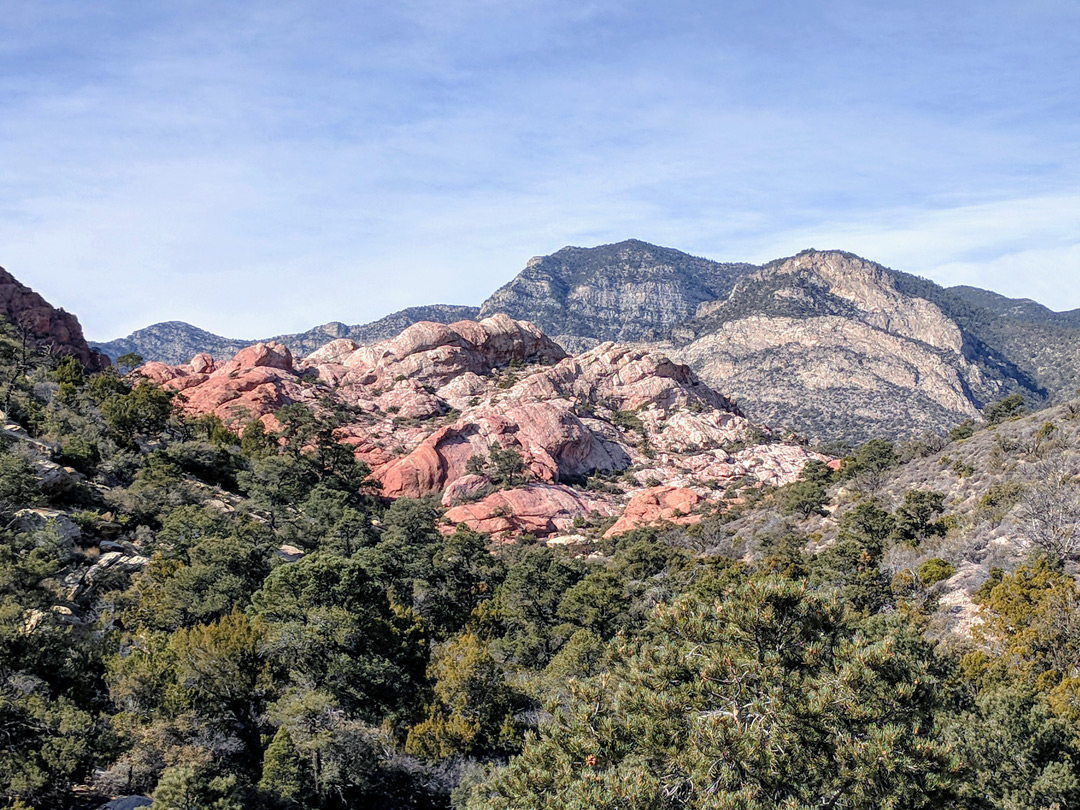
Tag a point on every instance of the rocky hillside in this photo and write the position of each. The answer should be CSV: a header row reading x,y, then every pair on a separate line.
x,y
630,291
241,618
43,324
824,343
832,344
517,436
177,342
1038,343
987,499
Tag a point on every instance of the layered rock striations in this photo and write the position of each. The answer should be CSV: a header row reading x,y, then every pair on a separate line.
x,y
495,417
825,340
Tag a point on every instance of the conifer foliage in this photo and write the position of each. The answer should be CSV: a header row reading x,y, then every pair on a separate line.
x,y
225,616
766,697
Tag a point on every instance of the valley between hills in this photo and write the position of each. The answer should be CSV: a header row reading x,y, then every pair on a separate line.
x,y
641,530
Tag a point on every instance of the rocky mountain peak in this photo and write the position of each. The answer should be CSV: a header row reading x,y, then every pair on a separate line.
x,y
626,291
872,290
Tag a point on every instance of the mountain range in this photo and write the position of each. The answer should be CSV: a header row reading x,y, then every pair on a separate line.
x,y
177,342
196,552
825,343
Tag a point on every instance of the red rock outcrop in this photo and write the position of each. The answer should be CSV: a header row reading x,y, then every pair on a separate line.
x,y
553,442
253,385
434,398
434,354
658,505
627,378
45,324
539,509
261,355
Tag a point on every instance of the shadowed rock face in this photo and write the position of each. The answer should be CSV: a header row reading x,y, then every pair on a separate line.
x,y
45,324
432,403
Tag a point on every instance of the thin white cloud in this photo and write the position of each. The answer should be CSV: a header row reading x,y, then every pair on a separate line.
x,y
259,170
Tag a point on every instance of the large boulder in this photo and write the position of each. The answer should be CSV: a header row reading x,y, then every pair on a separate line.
x,y
434,354
538,509
658,505
261,355
628,378
36,520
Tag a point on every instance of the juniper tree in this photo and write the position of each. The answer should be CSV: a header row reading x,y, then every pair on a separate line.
x,y
770,698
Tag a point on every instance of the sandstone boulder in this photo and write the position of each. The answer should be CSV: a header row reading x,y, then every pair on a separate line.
x,y
261,355
658,505
625,378
248,395
202,363
465,489
539,509
333,353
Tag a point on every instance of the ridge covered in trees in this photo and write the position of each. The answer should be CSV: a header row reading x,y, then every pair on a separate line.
x,y
219,619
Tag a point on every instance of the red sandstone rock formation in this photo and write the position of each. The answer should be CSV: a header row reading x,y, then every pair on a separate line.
x,y
437,396
253,385
539,509
45,324
658,505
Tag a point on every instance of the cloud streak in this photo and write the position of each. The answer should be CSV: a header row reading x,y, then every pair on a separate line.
x,y
260,170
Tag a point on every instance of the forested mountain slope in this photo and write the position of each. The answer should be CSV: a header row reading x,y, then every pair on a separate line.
x,y
1021,309
225,612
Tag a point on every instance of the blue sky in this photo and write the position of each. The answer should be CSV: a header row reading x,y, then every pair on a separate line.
x,y
261,168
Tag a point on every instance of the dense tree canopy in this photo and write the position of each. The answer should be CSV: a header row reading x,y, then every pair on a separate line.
x,y
217,614
767,697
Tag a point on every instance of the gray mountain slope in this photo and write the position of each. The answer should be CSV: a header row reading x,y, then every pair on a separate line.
x,y
628,291
834,346
176,342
